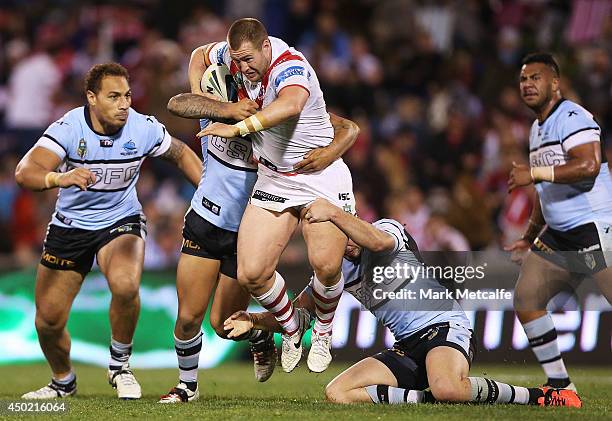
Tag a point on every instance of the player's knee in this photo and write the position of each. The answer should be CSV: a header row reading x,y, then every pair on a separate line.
x,y
523,300
253,275
446,390
335,394
125,289
189,323
216,322
49,322
326,270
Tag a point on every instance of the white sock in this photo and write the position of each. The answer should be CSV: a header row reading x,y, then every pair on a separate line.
x,y
542,337
119,354
188,355
380,393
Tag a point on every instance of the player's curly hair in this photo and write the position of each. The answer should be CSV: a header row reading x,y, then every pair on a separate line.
x,y
93,78
246,29
544,58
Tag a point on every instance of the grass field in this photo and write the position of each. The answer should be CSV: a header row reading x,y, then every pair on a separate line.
x,y
230,392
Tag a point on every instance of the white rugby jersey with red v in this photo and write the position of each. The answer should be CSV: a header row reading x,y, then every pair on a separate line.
x,y
279,148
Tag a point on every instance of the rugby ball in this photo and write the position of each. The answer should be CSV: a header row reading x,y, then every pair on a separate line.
x,y
218,81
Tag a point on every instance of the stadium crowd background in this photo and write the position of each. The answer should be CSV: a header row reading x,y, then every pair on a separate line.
x,y
432,84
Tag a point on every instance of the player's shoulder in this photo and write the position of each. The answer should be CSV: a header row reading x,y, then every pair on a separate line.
x,y
70,124
571,117
570,111
142,120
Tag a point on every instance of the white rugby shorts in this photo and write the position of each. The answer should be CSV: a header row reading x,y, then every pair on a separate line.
x,y
276,191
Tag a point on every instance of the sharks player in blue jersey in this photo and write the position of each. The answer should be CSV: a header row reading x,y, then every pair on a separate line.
x,y
98,149
208,264
434,344
570,229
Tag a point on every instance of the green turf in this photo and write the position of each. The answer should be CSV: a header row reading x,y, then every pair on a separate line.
x,y
230,392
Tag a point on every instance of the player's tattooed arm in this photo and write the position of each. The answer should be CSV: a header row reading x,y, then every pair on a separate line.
x,y
185,159
345,134
190,105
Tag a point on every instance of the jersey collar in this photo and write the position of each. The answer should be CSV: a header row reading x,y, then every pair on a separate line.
x,y
90,124
552,110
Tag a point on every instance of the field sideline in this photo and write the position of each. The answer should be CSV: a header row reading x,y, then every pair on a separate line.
x,y
230,392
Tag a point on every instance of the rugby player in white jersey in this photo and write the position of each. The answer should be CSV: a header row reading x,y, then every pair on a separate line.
x,y
93,155
207,266
292,122
434,341
570,229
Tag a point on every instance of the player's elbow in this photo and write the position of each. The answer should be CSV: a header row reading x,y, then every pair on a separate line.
x,y
174,105
294,109
354,131
20,175
591,168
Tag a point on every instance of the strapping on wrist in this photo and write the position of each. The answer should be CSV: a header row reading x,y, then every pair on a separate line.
x,y
52,180
251,124
543,174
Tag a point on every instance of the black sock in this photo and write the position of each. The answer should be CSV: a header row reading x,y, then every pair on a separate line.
x,y
558,383
191,385
534,394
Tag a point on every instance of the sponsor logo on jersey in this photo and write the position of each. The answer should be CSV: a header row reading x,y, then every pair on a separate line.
x,y
287,73
129,148
82,149
267,197
106,143
57,261
113,176
63,219
211,206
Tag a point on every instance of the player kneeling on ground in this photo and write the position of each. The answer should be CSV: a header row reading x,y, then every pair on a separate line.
x,y
434,348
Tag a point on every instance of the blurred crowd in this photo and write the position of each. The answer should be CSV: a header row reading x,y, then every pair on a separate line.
x,y
433,86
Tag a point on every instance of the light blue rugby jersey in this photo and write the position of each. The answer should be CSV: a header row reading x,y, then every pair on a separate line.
x,y
227,180
114,159
567,206
402,317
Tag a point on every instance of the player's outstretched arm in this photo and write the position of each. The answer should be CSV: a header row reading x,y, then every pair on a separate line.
x,y
190,105
242,322
36,171
361,232
345,134
185,159
289,104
